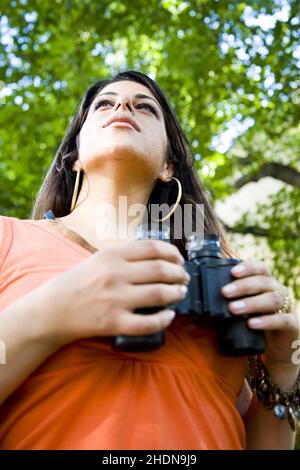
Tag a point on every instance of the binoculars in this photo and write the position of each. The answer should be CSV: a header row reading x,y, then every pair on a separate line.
x,y
209,272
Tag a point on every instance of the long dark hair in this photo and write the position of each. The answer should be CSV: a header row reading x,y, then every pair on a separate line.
x,y
56,191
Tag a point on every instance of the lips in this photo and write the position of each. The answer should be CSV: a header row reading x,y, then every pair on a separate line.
x,y
122,119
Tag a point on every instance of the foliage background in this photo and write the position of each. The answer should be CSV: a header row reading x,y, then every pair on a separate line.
x,y
227,66
230,68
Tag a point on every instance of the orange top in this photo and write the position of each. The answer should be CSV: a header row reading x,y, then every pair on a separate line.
x,y
90,396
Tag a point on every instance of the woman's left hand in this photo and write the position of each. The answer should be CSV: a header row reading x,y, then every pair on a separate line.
x,y
256,291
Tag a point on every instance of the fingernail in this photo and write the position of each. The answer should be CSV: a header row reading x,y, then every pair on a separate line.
x,y
239,268
229,288
182,259
187,277
239,305
183,290
169,315
255,322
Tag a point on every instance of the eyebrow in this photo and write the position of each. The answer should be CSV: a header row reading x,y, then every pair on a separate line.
x,y
137,96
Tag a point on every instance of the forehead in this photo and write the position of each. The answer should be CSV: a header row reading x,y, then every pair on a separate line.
x,y
127,87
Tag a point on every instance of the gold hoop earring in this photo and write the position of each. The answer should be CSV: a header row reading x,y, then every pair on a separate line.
x,y
176,203
74,197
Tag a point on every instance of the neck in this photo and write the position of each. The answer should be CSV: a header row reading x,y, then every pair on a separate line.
x,y
109,207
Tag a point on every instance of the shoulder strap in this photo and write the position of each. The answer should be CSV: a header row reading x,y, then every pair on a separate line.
x,y
70,233
49,215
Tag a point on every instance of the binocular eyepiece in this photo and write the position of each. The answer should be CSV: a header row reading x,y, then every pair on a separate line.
x,y
209,272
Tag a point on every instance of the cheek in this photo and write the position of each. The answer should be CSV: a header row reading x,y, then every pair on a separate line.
x,y
88,129
157,136
160,143
153,144
87,137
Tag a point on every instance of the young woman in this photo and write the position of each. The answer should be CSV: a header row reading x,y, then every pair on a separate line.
x,y
67,288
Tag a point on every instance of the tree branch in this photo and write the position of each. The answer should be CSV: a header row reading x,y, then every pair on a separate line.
x,y
258,231
253,230
276,170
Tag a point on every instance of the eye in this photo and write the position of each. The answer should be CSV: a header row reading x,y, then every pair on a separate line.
x,y
101,102
148,106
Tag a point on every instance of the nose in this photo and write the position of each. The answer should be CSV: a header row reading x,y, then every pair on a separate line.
x,y
123,101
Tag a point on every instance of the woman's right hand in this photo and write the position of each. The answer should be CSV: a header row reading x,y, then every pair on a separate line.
x,y
98,296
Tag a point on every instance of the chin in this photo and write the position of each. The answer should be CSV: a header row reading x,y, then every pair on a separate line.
x,y
120,152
